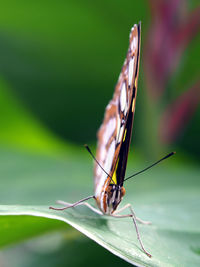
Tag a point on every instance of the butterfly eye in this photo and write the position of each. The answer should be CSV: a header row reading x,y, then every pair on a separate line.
x,y
123,191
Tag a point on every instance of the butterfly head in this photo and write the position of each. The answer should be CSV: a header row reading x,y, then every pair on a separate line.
x,y
114,194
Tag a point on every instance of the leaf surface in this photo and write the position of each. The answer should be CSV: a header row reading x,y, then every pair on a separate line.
x,y
172,204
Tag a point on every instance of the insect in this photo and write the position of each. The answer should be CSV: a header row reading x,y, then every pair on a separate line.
x,y
114,138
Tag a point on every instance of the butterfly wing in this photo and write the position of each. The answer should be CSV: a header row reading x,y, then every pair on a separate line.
x,y
115,132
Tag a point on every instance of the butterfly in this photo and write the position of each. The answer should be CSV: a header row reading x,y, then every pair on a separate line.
x,y
115,133
114,138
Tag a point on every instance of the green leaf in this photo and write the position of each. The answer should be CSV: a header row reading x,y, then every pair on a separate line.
x,y
60,249
169,197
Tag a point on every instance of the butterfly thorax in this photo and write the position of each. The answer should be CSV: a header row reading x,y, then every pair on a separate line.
x,y
110,197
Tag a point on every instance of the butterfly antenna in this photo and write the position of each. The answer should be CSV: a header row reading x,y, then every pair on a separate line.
x,y
169,155
88,149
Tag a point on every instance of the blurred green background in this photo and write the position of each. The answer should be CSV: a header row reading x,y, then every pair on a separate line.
x,y
59,63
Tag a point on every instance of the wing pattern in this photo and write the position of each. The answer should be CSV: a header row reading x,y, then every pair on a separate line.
x,y
117,116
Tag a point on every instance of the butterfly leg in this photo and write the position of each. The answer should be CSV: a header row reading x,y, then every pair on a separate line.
x,y
138,219
132,215
78,203
69,205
